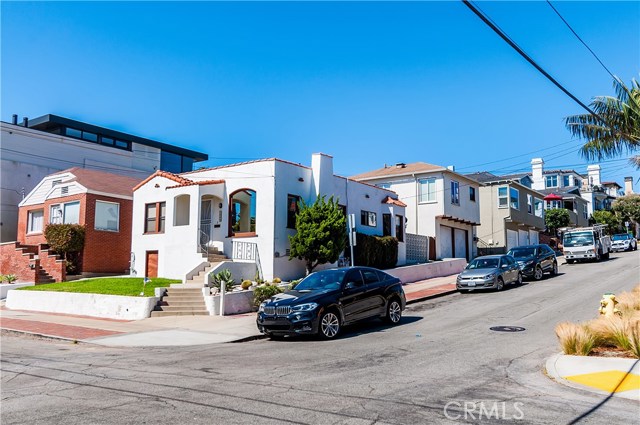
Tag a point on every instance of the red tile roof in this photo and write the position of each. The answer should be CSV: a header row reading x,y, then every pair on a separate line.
x,y
180,180
100,181
390,200
193,183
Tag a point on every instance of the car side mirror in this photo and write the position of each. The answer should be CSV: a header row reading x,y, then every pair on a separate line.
x,y
350,285
505,266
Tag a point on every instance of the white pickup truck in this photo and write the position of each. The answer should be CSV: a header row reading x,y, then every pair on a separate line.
x,y
586,243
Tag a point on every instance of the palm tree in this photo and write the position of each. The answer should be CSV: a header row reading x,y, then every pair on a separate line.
x,y
615,129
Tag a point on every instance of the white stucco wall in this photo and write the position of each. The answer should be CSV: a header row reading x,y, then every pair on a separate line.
x,y
415,273
94,305
6,287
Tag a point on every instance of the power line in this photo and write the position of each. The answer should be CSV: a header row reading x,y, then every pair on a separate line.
x,y
581,40
528,58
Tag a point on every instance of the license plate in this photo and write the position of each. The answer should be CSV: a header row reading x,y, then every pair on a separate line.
x,y
471,284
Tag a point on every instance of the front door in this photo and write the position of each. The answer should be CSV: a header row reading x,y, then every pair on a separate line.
x,y
206,215
151,269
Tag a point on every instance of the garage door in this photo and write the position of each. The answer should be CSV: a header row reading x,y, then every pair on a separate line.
x,y
461,243
533,237
446,243
512,239
523,237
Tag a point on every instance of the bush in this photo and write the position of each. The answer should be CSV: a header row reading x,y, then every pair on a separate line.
x,y
294,283
246,284
376,251
575,339
277,280
68,241
264,292
9,278
223,276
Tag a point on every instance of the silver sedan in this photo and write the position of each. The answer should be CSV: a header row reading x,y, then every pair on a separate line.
x,y
489,272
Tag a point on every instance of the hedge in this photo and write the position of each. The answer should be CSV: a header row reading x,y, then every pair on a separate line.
x,y
376,251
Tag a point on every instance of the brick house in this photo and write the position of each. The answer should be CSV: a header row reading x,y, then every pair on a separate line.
x,y
100,201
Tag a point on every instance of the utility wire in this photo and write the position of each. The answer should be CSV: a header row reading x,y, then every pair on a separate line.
x,y
581,40
528,58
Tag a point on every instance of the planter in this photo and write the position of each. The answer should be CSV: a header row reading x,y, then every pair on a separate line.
x,y
234,303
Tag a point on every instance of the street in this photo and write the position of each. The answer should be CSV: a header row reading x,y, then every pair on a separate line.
x,y
441,365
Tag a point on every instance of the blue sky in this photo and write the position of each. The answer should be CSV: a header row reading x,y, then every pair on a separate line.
x,y
369,83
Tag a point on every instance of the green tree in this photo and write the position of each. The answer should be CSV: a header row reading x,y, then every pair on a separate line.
x,y
608,218
68,241
628,207
615,129
320,237
556,218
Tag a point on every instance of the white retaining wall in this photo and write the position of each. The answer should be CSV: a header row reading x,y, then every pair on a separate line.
x,y
95,305
5,287
446,267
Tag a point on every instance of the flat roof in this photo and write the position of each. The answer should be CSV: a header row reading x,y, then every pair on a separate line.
x,y
50,121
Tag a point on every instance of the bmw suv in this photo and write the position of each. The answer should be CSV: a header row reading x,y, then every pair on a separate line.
x,y
325,301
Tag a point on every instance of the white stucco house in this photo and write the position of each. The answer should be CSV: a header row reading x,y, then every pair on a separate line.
x,y
441,204
246,211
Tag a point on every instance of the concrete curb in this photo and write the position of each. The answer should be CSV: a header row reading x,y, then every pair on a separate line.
x,y
428,297
40,335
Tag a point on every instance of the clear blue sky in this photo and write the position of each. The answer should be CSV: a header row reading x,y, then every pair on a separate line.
x,y
369,83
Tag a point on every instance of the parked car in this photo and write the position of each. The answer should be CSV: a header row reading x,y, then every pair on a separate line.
x,y
489,272
325,301
623,242
535,260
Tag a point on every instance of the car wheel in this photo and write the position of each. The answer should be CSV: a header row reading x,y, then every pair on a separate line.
x,y
519,279
606,256
598,256
554,269
570,261
538,273
329,326
394,312
499,284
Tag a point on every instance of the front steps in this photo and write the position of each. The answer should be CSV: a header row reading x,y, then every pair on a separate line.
x,y
186,301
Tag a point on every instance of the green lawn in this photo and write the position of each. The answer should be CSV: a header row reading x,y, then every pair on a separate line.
x,y
130,286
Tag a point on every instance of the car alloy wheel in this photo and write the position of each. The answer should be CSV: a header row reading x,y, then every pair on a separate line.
x,y
537,274
554,269
519,280
329,325
499,284
394,312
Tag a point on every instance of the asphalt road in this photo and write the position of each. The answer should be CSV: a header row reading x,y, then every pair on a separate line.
x,y
443,354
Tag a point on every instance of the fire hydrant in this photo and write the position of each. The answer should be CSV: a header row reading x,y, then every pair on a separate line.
x,y
608,305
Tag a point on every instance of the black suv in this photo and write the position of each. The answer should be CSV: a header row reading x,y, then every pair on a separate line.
x,y
325,301
535,260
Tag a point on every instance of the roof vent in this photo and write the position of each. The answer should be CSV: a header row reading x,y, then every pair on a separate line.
x,y
64,190
401,165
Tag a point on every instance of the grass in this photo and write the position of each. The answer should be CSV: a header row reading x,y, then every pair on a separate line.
x,y
575,339
129,286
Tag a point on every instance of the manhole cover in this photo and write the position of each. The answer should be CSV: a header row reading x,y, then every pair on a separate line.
x,y
507,329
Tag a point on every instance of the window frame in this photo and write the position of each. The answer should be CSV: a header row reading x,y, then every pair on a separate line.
x,y
159,219
95,214
505,197
30,213
399,223
455,192
551,177
472,194
366,221
515,205
566,179
290,197
530,203
429,196
61,207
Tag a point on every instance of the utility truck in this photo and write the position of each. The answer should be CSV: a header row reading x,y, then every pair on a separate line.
x,y
586,243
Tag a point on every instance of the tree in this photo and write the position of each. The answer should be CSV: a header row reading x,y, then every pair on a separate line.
x,y
556,218
320,237
68,241
615,129
608,218
628,207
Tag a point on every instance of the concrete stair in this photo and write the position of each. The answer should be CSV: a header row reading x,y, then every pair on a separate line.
x,y
187,301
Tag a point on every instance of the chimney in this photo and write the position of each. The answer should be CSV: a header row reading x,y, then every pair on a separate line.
x,y
593,171
537,177
628,185
14,119
451,167
401,165
25,122
322,172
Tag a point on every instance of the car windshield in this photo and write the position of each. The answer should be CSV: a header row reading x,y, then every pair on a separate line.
x,y
522,252
326,279
483,263
619,237
578,239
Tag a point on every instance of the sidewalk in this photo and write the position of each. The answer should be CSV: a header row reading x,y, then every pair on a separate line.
x,y
169,330
614,377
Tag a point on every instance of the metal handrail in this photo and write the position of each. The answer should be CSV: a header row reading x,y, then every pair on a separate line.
x,y
205,238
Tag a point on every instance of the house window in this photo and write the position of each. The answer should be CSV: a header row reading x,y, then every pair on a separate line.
x,y
538,207
551,181
68,213
400,228
472,194
292,210
386,224
155,217
107,216
565,181
529,204
427,190
242,204
514,195
585,213
455,193
368,218
35,219
384,185
553,204
503,202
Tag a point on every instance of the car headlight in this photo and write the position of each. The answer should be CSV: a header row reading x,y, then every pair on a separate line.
x,y
489,276
261,308
304,307
589,251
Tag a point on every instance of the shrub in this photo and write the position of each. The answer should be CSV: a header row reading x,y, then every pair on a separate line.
x,y
277,280
68,241
376,251
634,339
575,339
246,284
10,278
264,292
223,276
294,283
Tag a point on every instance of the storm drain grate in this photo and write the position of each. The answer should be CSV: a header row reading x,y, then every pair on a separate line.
x,y
507,329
